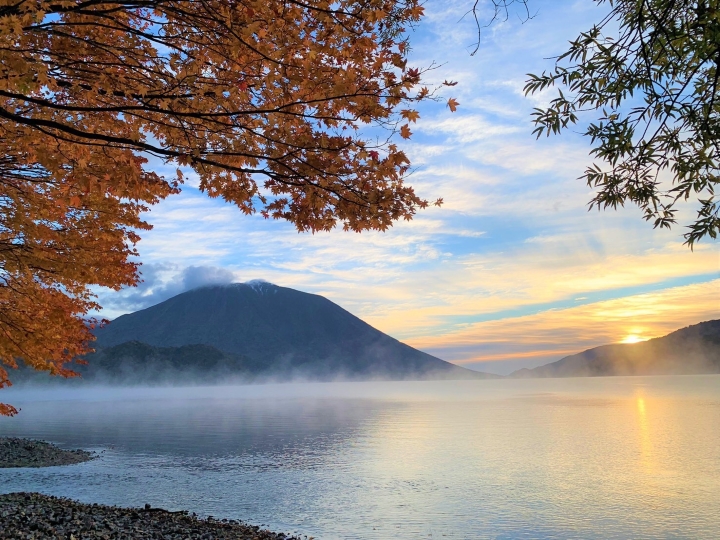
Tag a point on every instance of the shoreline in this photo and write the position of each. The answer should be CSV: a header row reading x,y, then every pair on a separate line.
x,y
34,516
19,452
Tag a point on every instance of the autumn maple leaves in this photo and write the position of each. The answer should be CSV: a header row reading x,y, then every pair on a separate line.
x,y
261,100
412,116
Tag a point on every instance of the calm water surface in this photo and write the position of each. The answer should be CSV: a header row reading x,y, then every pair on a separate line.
x,y
598,458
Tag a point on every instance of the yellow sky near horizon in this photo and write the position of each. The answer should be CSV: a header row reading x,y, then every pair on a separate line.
x,y
554,333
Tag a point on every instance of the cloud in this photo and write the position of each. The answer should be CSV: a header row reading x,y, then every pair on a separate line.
x,y
198,276
468,128
160,282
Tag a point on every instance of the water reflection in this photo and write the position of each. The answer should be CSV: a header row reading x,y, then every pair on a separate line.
x,y
202,428
603,458
646,453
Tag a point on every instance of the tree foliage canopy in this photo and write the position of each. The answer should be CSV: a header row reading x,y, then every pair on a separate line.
x,y
651,68
262,99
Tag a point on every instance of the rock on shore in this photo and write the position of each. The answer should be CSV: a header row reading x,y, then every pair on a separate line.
x,y
32,516
28,453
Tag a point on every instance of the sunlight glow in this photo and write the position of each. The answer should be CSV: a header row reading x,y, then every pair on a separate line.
x,y
641,407
633,338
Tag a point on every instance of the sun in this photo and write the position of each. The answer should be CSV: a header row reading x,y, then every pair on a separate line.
x,y
633,338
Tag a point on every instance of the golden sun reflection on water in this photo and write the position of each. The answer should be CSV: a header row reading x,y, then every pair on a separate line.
x,y
586,447
646,449
641,406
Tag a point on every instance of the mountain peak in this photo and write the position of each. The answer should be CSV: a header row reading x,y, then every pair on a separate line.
x,y
691,350
261,286
291,333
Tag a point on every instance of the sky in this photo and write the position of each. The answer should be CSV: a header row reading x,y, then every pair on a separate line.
x,y
512,270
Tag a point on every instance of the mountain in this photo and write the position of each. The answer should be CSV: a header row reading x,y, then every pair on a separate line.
x,y
264,331
691,350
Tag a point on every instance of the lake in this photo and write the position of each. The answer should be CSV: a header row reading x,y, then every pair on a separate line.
x,y
623,457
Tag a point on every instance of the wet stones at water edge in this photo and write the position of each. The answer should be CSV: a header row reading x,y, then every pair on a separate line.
x,y
28,453
32,516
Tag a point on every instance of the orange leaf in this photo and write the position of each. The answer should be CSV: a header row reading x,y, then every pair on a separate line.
x,y
452,103
257,97
410,115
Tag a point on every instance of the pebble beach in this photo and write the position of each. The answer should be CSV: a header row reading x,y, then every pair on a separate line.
x,y
34,516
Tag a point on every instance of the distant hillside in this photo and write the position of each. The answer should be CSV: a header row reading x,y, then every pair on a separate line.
x,y
261,329
691,350
133,362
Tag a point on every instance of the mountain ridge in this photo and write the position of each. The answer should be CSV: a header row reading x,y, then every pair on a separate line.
x,y
291,333
694,349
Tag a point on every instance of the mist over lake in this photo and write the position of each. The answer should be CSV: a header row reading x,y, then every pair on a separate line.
x,y
614,457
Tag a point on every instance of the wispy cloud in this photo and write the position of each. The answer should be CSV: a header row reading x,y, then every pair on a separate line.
x,y
160,282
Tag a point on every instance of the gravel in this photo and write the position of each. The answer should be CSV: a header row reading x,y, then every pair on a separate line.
x,y
28,453
32,516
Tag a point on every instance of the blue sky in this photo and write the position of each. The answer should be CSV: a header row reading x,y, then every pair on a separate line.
x,y
512,271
